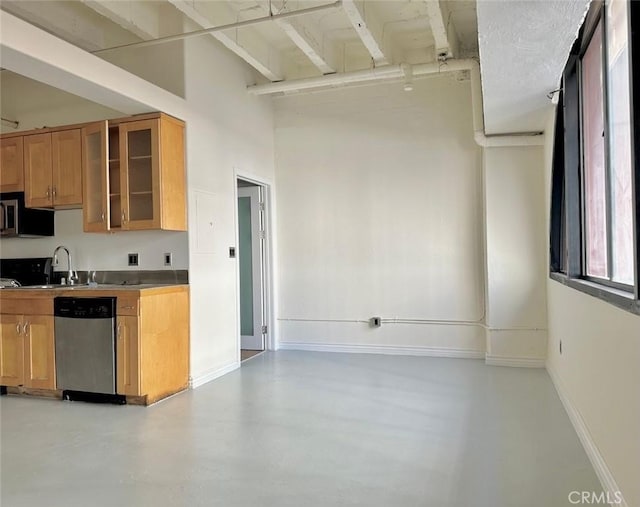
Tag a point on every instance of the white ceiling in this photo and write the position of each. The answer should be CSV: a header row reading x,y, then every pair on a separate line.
x,y
401,28
523,49
522,44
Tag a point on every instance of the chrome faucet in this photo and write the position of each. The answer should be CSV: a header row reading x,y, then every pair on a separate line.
x,y
72,276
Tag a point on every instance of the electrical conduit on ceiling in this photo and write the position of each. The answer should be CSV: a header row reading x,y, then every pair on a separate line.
x,y
391,72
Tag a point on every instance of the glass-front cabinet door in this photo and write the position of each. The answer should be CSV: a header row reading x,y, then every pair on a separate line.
x,y
95,181
140,174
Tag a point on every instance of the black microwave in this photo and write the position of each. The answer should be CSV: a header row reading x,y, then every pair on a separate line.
x,y
18,221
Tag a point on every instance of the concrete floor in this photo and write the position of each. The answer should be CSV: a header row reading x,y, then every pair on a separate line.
x,y
306,429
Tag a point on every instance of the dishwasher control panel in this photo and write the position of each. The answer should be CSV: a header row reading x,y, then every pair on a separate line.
x,y
84,308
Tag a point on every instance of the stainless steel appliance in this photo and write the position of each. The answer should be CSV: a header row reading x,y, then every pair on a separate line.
x,y
28,271
16,220
85,344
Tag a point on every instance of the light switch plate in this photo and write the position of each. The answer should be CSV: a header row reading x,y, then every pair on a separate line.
x,y
168,259
133,259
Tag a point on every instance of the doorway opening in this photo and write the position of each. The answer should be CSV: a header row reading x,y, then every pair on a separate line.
x,y
252,258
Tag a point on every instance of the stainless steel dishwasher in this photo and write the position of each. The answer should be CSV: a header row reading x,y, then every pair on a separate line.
x,y
85,344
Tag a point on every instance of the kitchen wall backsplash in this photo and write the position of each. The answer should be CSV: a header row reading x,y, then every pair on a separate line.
x,y
128,277
102,251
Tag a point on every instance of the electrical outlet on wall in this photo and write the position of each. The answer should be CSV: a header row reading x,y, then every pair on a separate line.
x,y
133,259
168,259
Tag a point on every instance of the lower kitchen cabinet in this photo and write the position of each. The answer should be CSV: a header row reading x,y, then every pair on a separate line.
x,y
152,340
127,357
27,351
152,346
39,352
11,351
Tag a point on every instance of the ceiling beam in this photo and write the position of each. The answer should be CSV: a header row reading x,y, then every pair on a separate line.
x,y
369,28
307,37
438,23
69,26
247,45
36,54
139,18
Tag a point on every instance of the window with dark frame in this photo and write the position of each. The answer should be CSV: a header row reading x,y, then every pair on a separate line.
x,y
595,195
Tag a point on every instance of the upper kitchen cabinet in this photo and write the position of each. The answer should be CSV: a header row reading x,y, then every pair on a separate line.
x,y
134,175
11,165
53,169
66,161
95,177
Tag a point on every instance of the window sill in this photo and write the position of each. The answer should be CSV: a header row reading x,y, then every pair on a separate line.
x,y
621,299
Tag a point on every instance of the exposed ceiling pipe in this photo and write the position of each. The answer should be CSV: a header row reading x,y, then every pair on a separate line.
x,y
494,140
391,72
230,26
386,72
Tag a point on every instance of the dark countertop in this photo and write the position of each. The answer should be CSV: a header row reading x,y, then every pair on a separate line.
x,y
98,290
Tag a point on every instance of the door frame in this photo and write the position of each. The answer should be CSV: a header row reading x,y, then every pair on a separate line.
x,y
269,290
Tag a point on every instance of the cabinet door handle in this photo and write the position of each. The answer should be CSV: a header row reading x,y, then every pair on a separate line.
x,y
48,192
120,330
102,216
18,328
124,217
127,307
25,326
54,192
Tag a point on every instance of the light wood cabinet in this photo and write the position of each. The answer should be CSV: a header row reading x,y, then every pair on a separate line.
x,y
53,169
134,175
152,344
37,171
11,351
128,356
39,351
11,165
152,340
27,351
95,169
66,164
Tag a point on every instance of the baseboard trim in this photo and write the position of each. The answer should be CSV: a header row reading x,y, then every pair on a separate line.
x,y
383,349
597,461
516,362
212,375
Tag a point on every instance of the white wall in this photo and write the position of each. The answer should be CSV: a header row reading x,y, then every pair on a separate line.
x,y
101,251
380,214
516,254
597,371
227,131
